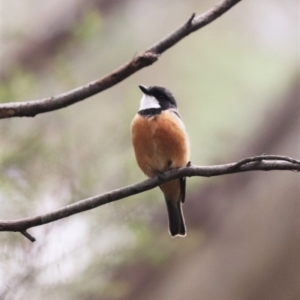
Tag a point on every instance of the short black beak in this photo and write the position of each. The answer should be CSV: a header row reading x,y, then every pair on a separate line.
x,y
144,89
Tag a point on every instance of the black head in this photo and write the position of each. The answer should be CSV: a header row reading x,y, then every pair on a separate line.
x,y
164,97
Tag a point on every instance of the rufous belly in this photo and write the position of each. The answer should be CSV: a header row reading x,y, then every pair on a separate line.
x,y
160,142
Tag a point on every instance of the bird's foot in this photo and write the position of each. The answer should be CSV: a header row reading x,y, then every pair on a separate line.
x,y
160,175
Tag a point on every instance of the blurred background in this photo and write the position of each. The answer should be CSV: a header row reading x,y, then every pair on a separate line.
x,y
237,85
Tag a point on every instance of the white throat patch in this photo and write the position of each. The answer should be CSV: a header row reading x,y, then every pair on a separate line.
x,y
148,102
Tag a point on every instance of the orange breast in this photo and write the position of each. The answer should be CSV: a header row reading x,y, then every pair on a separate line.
x,y
160,143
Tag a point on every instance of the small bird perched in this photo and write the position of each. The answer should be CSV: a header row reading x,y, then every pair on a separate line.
x,y
160,143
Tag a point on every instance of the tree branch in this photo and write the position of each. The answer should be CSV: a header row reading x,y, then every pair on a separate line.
x,y
34,107
257,163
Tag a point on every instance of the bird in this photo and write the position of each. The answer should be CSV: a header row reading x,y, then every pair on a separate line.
x,y
160,143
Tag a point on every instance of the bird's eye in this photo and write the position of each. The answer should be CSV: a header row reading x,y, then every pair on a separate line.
x,y
161,97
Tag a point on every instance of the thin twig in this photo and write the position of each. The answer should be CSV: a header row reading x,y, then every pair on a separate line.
x,y
268,163
29,236
265,157
34,107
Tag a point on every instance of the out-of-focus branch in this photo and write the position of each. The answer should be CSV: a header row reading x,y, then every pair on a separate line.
x,y
34,107
257,163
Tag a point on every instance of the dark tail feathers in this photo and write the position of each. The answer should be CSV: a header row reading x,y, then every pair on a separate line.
x,y
176,220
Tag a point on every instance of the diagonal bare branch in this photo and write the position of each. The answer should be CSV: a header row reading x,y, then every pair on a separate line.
x,y
257,163
34,107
